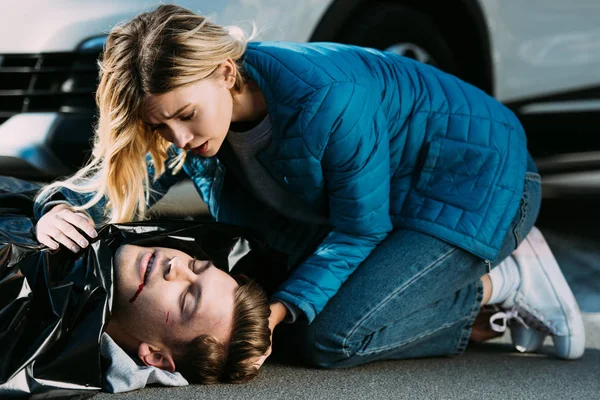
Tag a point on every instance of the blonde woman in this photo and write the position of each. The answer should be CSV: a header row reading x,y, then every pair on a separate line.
x,y
412,183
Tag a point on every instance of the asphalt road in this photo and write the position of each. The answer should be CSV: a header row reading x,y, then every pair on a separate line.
x,y
490,371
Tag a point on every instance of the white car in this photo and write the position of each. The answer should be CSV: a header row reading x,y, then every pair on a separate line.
x,y
540,57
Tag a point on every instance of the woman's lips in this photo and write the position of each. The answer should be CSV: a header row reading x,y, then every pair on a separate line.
x,y
201,150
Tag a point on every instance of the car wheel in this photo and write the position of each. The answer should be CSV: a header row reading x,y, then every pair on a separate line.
x,y
401,30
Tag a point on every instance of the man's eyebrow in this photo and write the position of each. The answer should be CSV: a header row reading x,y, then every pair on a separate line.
x,y
181,301
198,291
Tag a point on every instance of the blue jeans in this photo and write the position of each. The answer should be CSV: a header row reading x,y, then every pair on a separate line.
x,y
415,296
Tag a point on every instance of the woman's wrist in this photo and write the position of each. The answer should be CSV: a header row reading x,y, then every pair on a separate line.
x,y
278,312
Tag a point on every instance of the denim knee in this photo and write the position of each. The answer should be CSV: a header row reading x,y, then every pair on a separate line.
x,y
525,218
322,348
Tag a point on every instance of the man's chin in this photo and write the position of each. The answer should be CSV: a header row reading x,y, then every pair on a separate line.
x,y
121,337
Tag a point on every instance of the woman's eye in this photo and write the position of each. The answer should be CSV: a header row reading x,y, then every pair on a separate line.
x,y
189,116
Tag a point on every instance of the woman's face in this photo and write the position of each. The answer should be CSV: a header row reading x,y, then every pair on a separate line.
x,y
194,117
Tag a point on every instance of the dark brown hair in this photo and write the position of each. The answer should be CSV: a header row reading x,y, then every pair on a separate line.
x,y
206,360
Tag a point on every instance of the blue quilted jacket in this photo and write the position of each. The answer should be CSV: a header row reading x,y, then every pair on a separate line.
x,y
373,141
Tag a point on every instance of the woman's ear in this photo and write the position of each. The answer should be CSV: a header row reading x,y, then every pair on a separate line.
x,y
155,357
228,70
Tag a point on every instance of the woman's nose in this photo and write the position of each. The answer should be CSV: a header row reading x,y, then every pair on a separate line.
x,y
182,138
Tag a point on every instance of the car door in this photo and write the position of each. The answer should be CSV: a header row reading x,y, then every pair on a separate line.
x,y
546,68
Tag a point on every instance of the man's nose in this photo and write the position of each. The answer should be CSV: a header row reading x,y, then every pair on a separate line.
x,y
182,138
178,269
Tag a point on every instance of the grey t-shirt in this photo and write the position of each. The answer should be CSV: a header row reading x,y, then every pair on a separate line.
x,y
246,145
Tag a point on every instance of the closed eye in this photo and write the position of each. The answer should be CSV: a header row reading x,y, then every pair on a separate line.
x,y
183,300
189,116
154,128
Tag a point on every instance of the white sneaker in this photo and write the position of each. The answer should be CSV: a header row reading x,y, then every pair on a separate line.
x,y
543,304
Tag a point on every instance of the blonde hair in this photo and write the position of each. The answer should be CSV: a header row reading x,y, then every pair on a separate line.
x,y
154,53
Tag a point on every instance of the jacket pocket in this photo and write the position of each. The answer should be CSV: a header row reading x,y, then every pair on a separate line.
x,y
458,173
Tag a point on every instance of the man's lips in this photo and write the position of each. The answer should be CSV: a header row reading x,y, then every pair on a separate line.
x,y
144,264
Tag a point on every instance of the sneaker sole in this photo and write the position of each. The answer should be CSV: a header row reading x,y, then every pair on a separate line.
x,y
572,345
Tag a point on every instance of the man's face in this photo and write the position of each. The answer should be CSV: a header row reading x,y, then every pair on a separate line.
x,y
181,298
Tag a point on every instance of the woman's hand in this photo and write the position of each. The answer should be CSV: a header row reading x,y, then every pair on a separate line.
x,y
278,313
58,226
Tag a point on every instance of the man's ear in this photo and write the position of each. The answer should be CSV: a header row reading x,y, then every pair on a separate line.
x,y
154,357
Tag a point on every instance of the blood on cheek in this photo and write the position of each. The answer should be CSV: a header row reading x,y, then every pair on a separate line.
x,y
137,293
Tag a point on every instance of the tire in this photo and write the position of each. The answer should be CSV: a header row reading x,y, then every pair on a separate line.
x,y
382,26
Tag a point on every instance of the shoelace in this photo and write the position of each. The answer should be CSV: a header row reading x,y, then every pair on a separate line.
x,y
506,316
